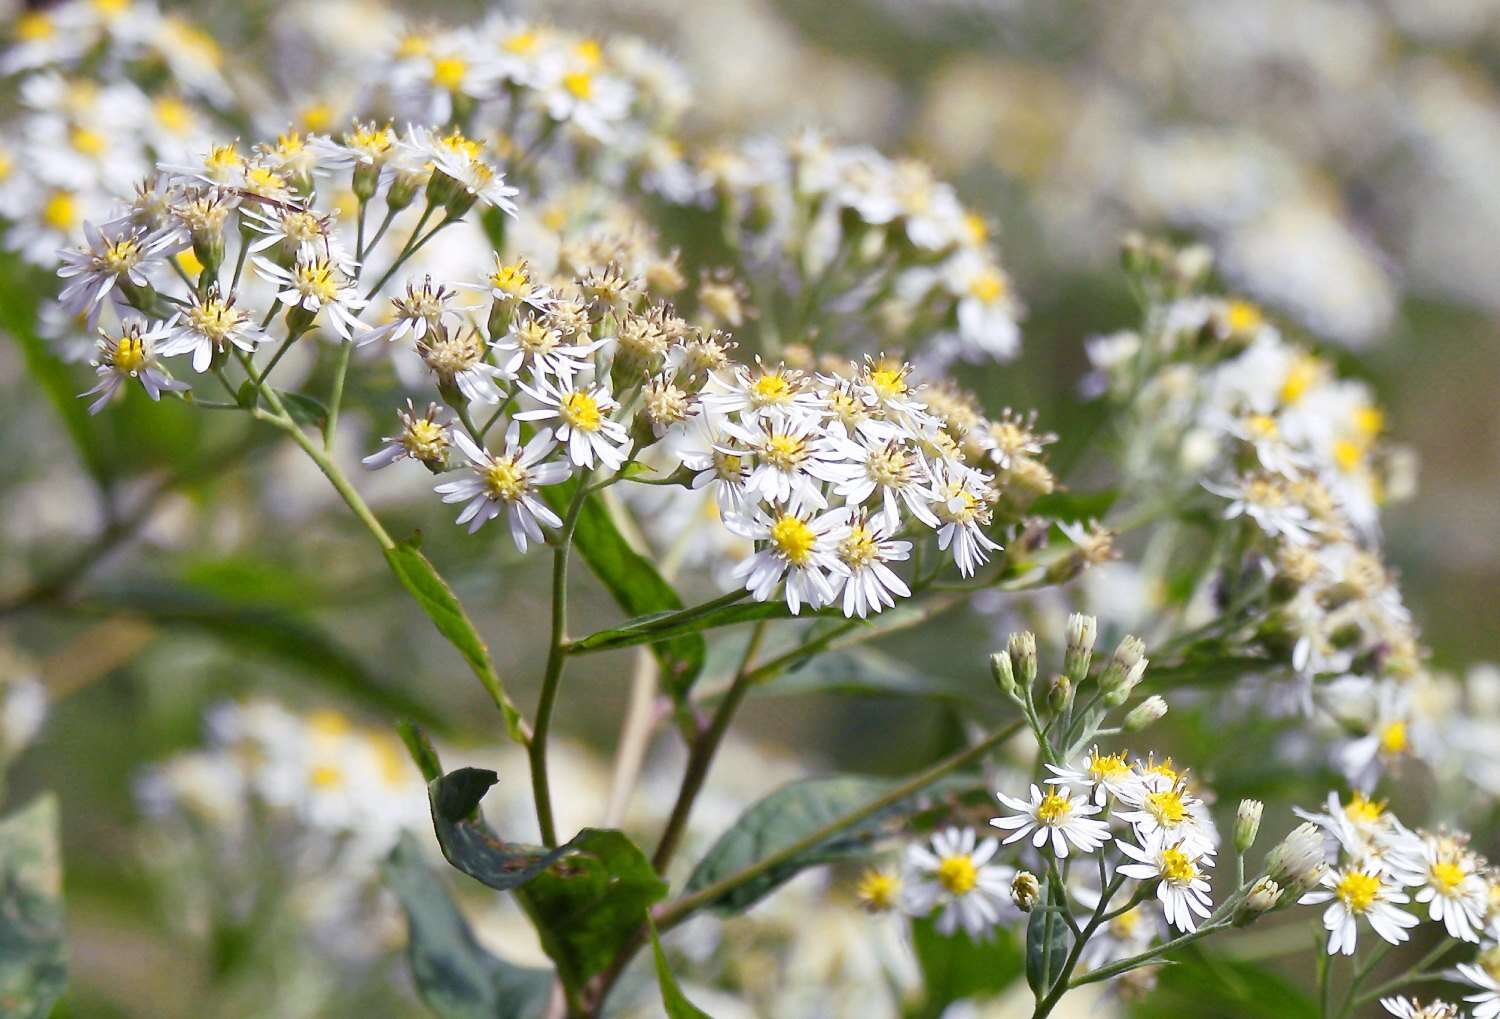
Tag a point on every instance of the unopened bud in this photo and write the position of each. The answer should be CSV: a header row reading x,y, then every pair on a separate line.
x,y
1262,897
1124,670
1023,656
1145,713
1082,632
1298,861
1247,824
1025,889
1059,693
1005,675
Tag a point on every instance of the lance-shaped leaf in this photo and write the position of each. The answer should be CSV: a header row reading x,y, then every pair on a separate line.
x,y
587,898
33,956
784,818
667,625
673,1000
1046,948
455,976
442,606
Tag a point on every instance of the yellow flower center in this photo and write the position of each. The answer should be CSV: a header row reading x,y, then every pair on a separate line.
x,y
1167,807
1126,924
130,354
1347,454
121,255
60,211
1357,890
889,466
460,145
877,890
448,72
316,280
173,114
1261,426
328,723
264,181
1107,765
581,410
520,43
957,874
1243,317
510,279
90,143
589,52
1447,876
772,387
793,539
215,319
888,382
728,466
1362,810
987,287
859,548
222,160
189,262
784,451
1176,867
505,479
1368,421
413,44
1302,374
1393,739
326,776
1054,809
112,7
580,84
34,26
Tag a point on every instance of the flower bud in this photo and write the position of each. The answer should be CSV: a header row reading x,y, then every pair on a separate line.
x,y
366,180
1123,671
1059,693
1025,889
1023,657
1262,897
1004,674
403,191
1247,824
1082,632
1145,713
1298,861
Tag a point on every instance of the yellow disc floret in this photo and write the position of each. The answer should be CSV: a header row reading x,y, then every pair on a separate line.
x,y
793,539
957,874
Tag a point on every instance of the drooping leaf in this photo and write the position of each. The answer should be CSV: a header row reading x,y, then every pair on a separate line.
x,y
1202,983
33,954
442,606
633,581
586,898
672,998
955,966
454,975
668,624
786,816
1044,963
588,904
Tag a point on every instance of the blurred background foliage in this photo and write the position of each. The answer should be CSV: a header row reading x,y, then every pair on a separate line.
x,y
218,564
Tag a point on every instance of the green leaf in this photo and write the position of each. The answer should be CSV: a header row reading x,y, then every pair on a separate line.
x,y
304,409
1205,984
423,754
1074,506
955,967
634,583
442,606
1039,974
786,816
586,898
590,903
670,625
266,631
672,998
33,953
454,975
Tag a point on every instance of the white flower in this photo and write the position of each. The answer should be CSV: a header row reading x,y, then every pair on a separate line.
x,y
963,512
462,160
114,253
1161,804
1107,774
131,354
532,343
422,437
508,481
315,282
1408,1008
869,584
1265,498
1363,829
210,325
1177,867
583,422
1447,874
580,95
791,457
1487,1001
761,391
986,310
297,231
421,310
457,358
803,550
1356,892
891,470
954,872
1055,815
705,454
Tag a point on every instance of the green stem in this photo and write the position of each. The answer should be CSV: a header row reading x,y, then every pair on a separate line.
x,y
1125,965
336,397
1420,971
552,678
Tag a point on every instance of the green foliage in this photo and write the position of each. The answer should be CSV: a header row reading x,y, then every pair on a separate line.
x,y
955,966
787,815
865,672
1074,506
423,754
670,625
1201,983
1046,948
672,998
33,953
588,898
454,975
442,606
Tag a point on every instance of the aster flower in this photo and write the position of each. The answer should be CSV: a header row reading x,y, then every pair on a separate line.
x,y
1449,876
1107,774
315,283
1056,816
963,513
706,453
422,437
208,326
752,393
791,456
461,160
507,483
868,583
1410,1008
458,358
531,343
130,354
799,548
954,872
1267,500
420,310
1160,804
583,422
1177,868
892,472
114,254
1487,1002
1354,893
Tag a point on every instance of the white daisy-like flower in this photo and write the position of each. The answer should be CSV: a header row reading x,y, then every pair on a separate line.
x,y
1266,499
130,354
869,585
420,310
891,471
1410,1008
799,548
1387,742
1362,829
963,513
512,284
507,482
986,310
954,872
1055,815
1106,774
1160,804
531,343
458,358
1487,1002
752,393
705,453
792,457
1449,876
1177,867
1354,892
364,145
114,253
422,437
210,325
583,422
461,160
297,231
313,283
580,95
